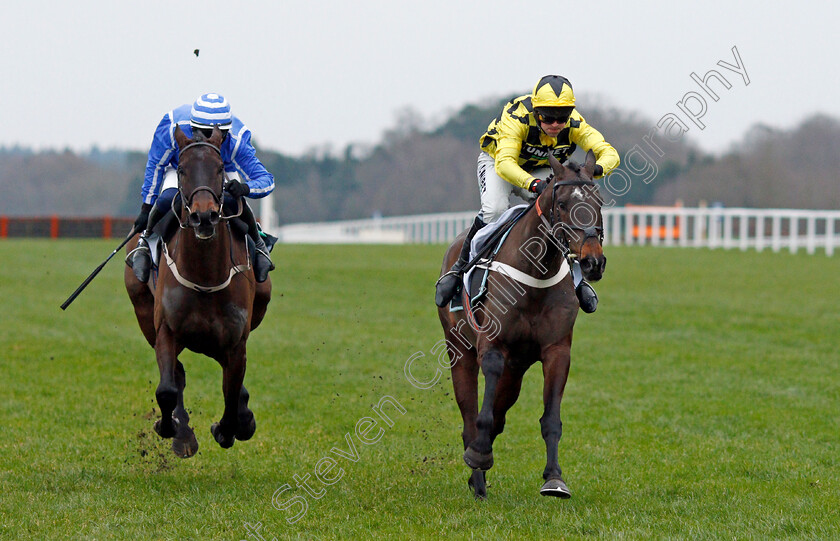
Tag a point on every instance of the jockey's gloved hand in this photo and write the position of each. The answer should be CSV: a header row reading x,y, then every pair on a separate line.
x,y
598,171
143,217
537,186
237,189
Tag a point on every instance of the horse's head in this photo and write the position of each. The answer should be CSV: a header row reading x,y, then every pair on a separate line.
x,y
201,176
575,214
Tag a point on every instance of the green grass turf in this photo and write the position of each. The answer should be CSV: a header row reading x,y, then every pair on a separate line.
x,y
702,403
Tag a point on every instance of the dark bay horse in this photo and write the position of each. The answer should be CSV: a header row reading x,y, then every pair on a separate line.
x,y
205,298
527,316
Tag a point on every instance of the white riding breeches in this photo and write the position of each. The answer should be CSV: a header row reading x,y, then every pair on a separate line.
x,y
170,178
496,191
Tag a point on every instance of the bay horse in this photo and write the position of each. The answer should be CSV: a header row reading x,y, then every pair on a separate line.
x,y
205,298
527,315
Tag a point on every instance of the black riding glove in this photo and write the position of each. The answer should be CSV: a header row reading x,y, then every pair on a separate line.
x,y
537,186
598,171
237,189
143,217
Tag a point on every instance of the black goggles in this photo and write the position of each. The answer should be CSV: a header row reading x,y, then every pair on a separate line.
x,y
550,119
207,132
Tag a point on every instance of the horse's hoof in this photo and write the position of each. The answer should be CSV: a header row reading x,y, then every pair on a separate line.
x,y
224,441
478,485
246,428
185,447
478,461
556,488
167,431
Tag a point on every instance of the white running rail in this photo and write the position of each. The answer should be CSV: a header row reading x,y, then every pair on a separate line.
x,y
742,228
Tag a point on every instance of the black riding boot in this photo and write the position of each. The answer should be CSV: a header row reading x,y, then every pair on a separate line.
x,y
587,297
447,285
140,258
262,261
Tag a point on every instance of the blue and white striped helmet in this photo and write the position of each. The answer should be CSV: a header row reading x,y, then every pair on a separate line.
x,y
210,110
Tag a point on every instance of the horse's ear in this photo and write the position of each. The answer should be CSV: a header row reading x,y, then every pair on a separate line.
x,y
556,166
589,166
180,138
217,137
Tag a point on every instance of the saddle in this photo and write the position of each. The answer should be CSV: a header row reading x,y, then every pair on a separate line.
x,y
485,245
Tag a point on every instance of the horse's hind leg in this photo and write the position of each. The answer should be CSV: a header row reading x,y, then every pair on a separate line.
x,y
233,368
262,296
167,390
143,301
184,443
556,362
465,383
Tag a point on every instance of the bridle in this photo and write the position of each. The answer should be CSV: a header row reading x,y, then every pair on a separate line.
x,y
185,205
217,197
552,225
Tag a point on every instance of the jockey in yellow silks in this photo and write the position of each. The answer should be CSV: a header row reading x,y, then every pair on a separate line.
x,y
514,159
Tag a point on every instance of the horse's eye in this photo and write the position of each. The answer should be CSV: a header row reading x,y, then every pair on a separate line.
x,y
562,205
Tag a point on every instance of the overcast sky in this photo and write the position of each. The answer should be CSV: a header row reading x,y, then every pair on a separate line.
x,y
304,74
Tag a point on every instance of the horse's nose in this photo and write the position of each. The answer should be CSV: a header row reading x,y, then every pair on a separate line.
x,y
593,267
205,218
587,264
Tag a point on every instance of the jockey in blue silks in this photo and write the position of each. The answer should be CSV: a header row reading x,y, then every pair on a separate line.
x,y
246,176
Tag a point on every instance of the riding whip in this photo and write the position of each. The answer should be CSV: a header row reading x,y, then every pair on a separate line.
x,y
88,280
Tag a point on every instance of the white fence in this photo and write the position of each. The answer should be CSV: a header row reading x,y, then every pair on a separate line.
x,y
742,228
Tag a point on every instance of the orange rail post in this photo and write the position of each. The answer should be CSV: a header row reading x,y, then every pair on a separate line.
x,y
106,227
54,226
4,227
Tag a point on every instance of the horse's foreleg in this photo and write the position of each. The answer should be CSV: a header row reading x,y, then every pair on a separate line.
x,y
184,443
506,395
247,424
479,453
167,389
233,373
556,361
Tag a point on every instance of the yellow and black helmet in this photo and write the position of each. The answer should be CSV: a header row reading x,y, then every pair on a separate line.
x,y
553,91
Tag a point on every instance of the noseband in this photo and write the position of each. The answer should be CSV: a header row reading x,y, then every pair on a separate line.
x,y
550,222
217,197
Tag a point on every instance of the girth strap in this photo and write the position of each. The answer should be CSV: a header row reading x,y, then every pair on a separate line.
x,y
526,279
